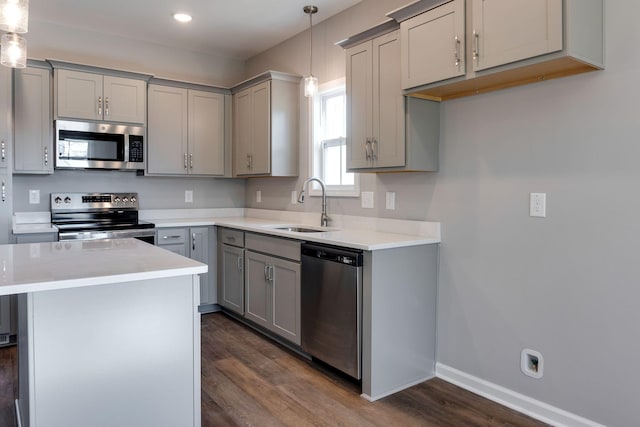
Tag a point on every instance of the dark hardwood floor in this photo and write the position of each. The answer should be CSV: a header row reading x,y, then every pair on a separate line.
x,y
247,380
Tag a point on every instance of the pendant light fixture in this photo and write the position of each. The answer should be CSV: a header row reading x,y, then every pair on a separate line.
x,y
310,82
14,19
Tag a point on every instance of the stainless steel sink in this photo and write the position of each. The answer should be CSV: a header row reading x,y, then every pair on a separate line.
x,y
301,229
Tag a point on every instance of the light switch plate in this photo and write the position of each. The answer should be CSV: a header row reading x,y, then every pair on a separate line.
x,y
34,197
538,205
258,196
188,196
294,197
366,198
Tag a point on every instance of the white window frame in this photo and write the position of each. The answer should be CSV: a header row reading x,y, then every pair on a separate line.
x,y
315,149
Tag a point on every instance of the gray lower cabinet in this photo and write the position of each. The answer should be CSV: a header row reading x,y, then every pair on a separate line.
x,y
197,243
36,238
231,270
272,285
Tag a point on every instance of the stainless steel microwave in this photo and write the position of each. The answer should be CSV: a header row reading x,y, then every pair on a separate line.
x,y
85,145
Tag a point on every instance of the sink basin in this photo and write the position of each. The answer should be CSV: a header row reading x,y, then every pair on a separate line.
x,y
301,229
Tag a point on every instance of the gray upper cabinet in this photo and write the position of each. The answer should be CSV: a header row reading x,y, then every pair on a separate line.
x,y
444,56
186,132
33,140
465,47
265,123
505,31
91,96
386,131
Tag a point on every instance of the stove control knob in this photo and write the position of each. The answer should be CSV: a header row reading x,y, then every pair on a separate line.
x,y
57,200
117,200
125,200
133,200
67,200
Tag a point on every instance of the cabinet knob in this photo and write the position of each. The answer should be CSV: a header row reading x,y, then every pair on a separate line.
x,y
106,106
4,191
457,52
191,161
3,151
99,105
46,156
185,161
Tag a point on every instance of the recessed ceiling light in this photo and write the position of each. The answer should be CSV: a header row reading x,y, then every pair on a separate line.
x,y
182,17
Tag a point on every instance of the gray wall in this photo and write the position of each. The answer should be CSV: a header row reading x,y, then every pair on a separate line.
x,y
154,192
567,285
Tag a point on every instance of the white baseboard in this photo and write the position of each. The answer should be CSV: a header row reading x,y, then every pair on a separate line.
x,y
395,390
511,399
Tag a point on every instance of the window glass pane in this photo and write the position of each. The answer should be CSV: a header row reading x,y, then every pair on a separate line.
x,y
332,165
334,114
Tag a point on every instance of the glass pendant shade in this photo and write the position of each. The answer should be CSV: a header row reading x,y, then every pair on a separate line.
x,y
14,51
310,86
14,16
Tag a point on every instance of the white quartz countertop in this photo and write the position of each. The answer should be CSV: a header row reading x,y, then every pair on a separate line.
x,y
37,267
351,232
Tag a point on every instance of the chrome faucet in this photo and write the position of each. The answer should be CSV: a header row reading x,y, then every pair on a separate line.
x,y
324,219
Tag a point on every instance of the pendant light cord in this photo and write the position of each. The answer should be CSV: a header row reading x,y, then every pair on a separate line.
x,y
311,44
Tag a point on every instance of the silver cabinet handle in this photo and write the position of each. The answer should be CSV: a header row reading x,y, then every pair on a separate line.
x,y
367,148
240,263
266,272
374,149
185,161
271,273
3,150
46,156
248,161
106,106
193,241
191,161
476,46
457,52
171,237
231,239
99,105
4,192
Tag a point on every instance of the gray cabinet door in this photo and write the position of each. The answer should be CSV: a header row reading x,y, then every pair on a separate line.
x,y
257,289
231,278
388,145
199,251
242,134
261,129
433,47
285,299
79,95
359,105
33,142
167,131
505,31
124,100
206,133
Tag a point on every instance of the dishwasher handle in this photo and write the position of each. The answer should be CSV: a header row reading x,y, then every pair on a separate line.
x,y
344,256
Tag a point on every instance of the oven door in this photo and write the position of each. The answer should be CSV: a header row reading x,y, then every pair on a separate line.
x,y
146,235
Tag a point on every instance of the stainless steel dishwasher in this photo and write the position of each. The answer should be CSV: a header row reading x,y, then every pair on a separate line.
x,y
331,306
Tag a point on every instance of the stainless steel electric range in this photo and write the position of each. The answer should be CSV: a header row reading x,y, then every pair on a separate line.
x,y
94,216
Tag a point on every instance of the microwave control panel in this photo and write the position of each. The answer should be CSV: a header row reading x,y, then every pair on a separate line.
x,y
136,149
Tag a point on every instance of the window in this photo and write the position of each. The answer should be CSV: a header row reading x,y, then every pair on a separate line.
x,y
329,152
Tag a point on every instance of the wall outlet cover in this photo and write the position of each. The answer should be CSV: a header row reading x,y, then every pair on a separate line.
x,y
258,196
294,197
538,205
34,197
188,196
366,198
391,200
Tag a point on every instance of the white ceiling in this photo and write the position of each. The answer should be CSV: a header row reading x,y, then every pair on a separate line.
x,y
236,29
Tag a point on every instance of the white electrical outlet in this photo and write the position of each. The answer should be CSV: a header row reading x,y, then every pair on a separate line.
x,y
34,197
258,196
366,198
538,205
188,196
294,197
391,200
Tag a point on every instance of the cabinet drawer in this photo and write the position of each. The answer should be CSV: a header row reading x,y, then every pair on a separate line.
x,y
231,237
170,236
274,246
178,248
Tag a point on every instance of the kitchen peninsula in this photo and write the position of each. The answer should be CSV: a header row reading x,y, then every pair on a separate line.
x,y
108,330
